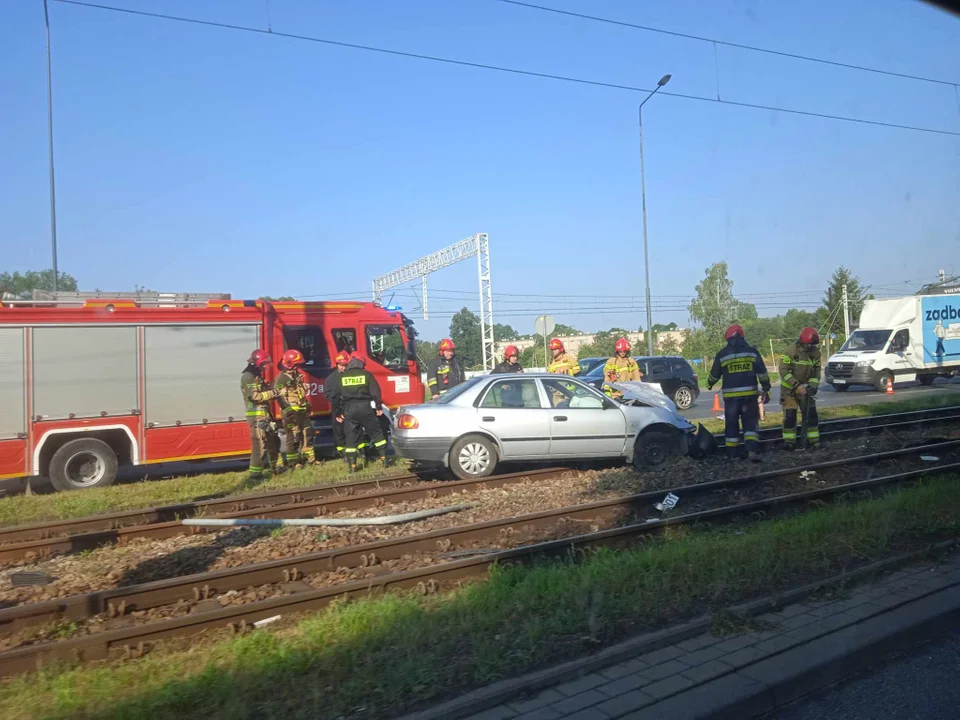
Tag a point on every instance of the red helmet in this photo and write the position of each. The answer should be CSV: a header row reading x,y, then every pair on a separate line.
x,y
342,358
809,336
623,345
293,358
555,344
259,358
447,344
511,351
732,331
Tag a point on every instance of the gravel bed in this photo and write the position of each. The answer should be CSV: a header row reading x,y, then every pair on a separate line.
x,y
143,560
244,546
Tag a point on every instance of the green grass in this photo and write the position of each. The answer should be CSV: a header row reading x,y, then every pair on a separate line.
x,y
22,509
922,402
379,656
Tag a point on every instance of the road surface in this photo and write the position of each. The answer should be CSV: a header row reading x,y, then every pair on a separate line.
x,y
920,684
828,397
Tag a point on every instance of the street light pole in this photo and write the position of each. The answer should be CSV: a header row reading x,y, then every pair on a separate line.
x,y
53,191
643,195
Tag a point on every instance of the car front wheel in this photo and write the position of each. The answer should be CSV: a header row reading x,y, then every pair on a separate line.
x,y
654,448
473,456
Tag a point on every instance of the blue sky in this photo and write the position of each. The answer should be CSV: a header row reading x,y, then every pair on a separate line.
x,y
207,160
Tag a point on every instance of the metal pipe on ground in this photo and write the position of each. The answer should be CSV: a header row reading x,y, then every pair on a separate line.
x,y
330,522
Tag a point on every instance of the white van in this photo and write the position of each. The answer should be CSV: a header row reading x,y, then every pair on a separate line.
x,y
901,339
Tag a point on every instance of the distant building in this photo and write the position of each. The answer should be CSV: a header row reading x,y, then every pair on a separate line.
x,y
676,336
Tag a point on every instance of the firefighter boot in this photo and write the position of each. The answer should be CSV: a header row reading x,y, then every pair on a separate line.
x,y
279,469
754,456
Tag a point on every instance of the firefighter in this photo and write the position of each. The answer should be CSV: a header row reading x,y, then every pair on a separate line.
x,y
295,410
329,389
359,407
799,382
257,395
511,361
740,367
620,368
445,371
562,363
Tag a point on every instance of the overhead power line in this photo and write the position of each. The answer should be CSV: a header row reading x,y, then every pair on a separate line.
x,y
500,68
724,43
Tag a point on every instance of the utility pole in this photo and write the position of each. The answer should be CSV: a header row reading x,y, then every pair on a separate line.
x,y
943,277
846,313
53,191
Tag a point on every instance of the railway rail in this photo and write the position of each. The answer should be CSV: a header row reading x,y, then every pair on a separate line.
x,y
134,640
71,536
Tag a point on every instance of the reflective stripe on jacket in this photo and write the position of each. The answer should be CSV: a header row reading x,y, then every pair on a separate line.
x,y
290,387
256,394
564,364
799,365
740,367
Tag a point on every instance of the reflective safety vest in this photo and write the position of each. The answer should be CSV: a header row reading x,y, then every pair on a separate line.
x,y
740,367
564,364
799,365
256,394
292,390
620,369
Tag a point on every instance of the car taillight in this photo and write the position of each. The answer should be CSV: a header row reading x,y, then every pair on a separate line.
x,y
407,422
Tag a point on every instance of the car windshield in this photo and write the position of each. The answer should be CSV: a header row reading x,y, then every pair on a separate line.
x,y
456,391
866,341
589,365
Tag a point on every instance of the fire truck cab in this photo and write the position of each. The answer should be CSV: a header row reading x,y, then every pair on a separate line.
x,y
90,382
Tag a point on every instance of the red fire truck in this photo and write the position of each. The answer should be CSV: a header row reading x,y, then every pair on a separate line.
x,y
93,381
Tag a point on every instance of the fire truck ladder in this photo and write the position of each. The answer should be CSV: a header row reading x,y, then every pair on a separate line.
x,y
152,299
478,245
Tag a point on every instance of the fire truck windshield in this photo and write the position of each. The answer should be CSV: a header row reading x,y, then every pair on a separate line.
x,y
385,346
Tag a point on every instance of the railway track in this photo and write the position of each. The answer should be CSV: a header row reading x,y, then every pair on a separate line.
x,y
39,540
527,531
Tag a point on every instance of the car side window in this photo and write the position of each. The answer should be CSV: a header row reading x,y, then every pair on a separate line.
x,y
659,367
900,341
571,395
679,366
512,393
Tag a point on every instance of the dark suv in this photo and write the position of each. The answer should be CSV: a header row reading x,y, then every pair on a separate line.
x,y
674,375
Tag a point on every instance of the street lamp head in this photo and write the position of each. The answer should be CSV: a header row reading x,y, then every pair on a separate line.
x,y
664,80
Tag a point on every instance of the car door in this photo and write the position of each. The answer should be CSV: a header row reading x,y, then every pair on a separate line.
x,y
583,423
661,374
901,356
511,410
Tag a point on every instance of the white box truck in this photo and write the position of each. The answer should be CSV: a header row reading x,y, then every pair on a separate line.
x,y
901,339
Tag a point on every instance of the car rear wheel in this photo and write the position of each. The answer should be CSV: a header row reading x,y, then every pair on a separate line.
x,y
683,398
473,456
882,378
654,448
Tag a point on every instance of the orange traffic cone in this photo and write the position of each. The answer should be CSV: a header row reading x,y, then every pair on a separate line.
x,y
716,404
889,386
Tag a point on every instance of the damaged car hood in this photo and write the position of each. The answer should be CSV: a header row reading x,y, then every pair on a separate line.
x,y
641,393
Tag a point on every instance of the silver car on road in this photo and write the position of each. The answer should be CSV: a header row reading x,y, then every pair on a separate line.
x,y
537,416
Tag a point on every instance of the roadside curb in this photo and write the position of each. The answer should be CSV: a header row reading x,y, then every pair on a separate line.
x,y
510,689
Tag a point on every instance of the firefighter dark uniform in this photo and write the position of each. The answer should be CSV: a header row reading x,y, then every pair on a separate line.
x,y
620,368
330,388
295,410
740,367
506,366
799,382
257,395
445,373
359,403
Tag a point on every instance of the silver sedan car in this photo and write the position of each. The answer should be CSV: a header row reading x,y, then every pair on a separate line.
x,y
536,416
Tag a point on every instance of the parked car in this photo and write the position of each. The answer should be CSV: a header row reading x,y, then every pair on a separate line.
x,y
588,365
536,416
676,378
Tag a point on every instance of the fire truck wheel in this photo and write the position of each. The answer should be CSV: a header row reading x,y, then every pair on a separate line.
x,y
84,463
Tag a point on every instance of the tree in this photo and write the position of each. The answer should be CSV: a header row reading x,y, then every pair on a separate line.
x,y
504,332
23,285
603,343
427,350
669,346
715,308
465,333
533,355
833,298
659,327
282,298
